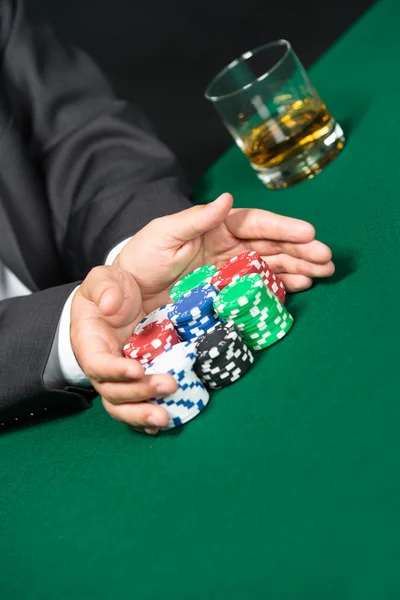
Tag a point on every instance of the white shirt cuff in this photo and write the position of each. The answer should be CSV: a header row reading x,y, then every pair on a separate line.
x,y
62,368
70,368
115,251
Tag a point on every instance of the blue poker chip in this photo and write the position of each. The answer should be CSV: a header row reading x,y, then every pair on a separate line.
x,y
197,328
196,332
193,305
203,320
203,323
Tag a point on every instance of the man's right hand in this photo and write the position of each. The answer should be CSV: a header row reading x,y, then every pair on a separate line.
x,y
104,312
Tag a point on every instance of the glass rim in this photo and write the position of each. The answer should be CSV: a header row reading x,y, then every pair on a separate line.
x,y
243,57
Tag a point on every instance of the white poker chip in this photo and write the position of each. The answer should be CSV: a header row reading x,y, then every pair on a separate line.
x,y
191,396
158,315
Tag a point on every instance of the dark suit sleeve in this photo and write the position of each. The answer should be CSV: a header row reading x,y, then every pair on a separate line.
x,y
28,326
106,173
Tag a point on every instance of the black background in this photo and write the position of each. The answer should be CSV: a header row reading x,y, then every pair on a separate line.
x,y
161,55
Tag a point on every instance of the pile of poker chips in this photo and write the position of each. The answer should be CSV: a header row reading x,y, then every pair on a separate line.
x,y
245,264
192,314
225,324
154,339
222,356
258,314
198,277
191,396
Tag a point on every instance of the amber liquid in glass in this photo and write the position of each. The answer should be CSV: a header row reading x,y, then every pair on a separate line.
x,y
288,140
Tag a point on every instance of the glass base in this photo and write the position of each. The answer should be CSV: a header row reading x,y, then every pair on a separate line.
x,y
305,165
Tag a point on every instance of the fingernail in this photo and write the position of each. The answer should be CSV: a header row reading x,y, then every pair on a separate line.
x,y
133,372
151,430
104,296
162,389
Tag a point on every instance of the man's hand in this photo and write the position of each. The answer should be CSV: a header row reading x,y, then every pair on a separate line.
x,y
104,312
167,248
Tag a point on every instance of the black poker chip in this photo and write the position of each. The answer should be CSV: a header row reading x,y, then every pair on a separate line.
x,y
222,356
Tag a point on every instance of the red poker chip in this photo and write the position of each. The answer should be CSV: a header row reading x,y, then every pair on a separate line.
x,y
154,339
238,266
274,284
148,358
245,264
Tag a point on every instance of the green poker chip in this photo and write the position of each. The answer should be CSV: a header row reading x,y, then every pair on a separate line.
x,y
258,314
239,295
199,277
273,338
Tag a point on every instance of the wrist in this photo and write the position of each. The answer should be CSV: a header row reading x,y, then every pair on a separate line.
x,y
115,252
117,261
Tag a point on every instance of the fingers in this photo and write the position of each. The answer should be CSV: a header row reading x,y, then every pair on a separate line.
x,y
126,401
108,287
103,366
100,281
260,224
148,430
149,386
314,251
296,283
282,263
193,222
143,415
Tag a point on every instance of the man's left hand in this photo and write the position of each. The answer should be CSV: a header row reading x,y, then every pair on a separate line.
x,y
168,247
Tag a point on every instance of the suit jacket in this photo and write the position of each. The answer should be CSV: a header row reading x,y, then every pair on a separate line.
x,y
79,171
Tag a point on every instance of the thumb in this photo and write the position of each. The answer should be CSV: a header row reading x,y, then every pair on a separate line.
x,y
107,287
193,222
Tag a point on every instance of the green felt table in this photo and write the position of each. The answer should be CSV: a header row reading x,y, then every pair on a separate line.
x,y
287,486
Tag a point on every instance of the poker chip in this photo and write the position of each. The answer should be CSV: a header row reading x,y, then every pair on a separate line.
x,y
193,314
157,316
222,356
206,338
191,396
197,278
246,264
154,339
256,311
